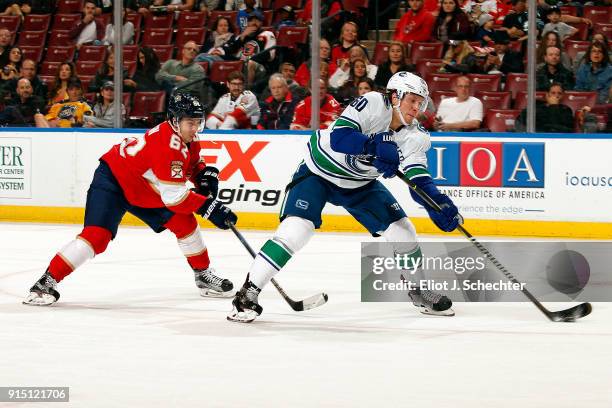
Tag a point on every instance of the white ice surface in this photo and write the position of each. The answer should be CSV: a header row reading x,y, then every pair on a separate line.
x,y
130,330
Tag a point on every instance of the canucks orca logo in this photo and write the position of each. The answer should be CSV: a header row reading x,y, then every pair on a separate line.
x,y
352,163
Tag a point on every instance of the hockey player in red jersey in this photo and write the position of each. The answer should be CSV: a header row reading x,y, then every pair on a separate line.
x,y
147,177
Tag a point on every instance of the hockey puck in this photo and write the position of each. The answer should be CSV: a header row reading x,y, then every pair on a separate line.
x,y
568,272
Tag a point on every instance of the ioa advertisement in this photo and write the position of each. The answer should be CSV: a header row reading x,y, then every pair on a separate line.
x,y
489,177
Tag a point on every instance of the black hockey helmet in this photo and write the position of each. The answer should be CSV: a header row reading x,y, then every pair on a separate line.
x,y
184,105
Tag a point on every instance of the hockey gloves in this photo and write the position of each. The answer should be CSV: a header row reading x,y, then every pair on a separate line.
x,y
207,182
449,218
385,151
214,211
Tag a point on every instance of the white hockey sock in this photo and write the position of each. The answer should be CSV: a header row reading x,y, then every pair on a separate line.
x,y
76,252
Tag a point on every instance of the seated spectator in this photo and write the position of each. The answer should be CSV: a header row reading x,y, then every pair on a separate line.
x,y
65,73
68,113
171,6
5,46
174,72
476,9
552,39
249,46
329,112
486,30
503,59
579,58
27,71
287,70
302,76
552,71
463,112
460,56
342,74
104,110
595,72
515,23
286,17
106,72
19,8
396,61
451,20
551,115
147,66
347,91
364,86
21,109
277,110
88,29
222,32
209,5
555,24
244,7
127,32
415,25
237,109
11,69
348,38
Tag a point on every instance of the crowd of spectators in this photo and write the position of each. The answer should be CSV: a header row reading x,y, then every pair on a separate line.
x,y
270,88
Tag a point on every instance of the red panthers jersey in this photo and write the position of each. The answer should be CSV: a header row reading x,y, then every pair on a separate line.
x,y
153,169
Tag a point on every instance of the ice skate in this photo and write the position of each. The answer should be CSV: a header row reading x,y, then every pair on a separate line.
x,y
44,292
431,303
211,285
246,309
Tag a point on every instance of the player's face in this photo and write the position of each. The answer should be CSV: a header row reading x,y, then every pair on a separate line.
x,y
410,106
189,127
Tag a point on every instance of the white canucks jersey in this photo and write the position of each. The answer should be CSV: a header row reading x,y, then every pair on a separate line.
x,y
369,114
246,99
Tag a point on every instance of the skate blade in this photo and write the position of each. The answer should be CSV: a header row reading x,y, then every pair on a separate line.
x,y
430,312
39,299
210,293
246,316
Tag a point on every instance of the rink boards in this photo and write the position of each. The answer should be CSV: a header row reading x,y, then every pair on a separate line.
x,y
503,183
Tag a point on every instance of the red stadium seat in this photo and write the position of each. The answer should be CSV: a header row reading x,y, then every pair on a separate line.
x,y
574,47
85,81
159,36
191,19
268,17
163,52
32,38
204,65
290,36
127,102
515,82
355,5
577,99
569,10
520,102
437,96
425,66
58,53
221,69
33,53
266,4
48,68
494,100
603,28
36,22
597,14
87,67
11,23
130,52
583,31
484,82
92,53
48,80
144,104
136,20
501,120
157,21
69,6
381,53
426,50
214,15
293,3
65,22
441,82
60,38
184,35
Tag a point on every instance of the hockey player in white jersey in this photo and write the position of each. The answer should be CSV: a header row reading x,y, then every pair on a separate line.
x,y
376,135
237,109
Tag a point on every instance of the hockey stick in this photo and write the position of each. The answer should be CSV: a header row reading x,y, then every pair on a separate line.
x,y
299,305
567,315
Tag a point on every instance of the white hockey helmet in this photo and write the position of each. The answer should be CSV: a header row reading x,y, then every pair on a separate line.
x,y
406,82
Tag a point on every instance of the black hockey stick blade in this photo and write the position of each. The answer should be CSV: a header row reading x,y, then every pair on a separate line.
x,y
571,314
297,305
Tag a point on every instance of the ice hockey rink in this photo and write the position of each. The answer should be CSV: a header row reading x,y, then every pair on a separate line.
x,y
131,330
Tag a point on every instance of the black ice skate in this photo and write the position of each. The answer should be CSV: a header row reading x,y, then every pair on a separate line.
x,y
246,308
211,285
44,292
432,303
